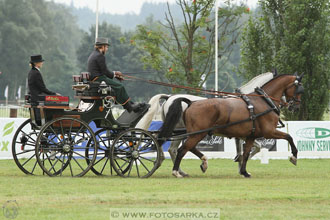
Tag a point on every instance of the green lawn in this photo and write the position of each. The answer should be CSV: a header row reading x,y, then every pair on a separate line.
x,y
278,190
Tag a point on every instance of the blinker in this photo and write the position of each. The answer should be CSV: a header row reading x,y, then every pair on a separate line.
x,y
300,89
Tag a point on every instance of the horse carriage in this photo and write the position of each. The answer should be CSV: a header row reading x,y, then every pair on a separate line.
x,y
61,141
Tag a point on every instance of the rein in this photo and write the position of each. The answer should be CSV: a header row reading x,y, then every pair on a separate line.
x,y
211,92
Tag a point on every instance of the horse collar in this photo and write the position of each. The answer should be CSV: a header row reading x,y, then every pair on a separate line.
x,y
268,100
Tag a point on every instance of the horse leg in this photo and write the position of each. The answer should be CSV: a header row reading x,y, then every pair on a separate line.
x,y
190,143
281,135
173,151
238,158
181,152
256,149
201,156
247,148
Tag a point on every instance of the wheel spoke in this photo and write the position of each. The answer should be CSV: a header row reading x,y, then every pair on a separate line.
x,y
144,165
34,166
29,135
53,165
104,165
137,168
50,164
55,135
130,168
80,155
70,169
28,160
62,164
147,159
120,167
25,151
78,163
99,161
78,131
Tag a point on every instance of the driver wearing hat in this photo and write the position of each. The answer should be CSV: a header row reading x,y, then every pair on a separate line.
x,y
97,67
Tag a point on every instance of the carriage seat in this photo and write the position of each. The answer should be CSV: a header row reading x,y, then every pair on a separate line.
x,y
86,87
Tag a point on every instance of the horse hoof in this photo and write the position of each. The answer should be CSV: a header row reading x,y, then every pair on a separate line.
x,y
183,173
246,174
203,168
293,160
176,174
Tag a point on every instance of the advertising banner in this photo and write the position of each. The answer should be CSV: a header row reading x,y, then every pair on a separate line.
x,y
310,136
270,144
8,127
211,143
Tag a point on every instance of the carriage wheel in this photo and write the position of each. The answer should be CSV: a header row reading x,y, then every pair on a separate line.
x,y
102,165
135,153
62,143
23,148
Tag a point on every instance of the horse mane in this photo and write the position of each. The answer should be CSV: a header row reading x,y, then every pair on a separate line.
x,y
257,81
276,77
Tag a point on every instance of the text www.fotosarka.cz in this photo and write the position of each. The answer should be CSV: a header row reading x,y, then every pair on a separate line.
x,y
164,213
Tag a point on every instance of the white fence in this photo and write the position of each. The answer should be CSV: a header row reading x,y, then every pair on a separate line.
x,y
312,139
15,111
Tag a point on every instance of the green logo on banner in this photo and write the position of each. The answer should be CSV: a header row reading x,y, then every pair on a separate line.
x,y
8,129
313,133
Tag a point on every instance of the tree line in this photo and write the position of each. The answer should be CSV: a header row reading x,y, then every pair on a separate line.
x,y
177,51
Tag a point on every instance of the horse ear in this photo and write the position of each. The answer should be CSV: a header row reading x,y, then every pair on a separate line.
x,y
300,77
295,74
275,72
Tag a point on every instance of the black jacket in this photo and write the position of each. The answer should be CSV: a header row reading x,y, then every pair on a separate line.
x,y
37,86
96,65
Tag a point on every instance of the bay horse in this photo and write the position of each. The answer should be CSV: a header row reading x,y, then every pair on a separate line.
x,y
156,108
231,117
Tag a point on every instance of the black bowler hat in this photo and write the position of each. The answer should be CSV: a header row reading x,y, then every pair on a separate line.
x,y
102,41
36,59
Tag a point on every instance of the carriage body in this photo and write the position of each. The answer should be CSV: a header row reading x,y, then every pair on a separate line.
x,y
62,140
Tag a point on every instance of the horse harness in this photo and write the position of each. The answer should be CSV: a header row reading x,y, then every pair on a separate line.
x,y
252,117
299,89
250,107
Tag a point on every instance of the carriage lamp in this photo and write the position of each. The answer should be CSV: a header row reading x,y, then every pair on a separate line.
x,y
104,88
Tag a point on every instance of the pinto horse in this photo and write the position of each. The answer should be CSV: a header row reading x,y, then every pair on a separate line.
x,y
231,117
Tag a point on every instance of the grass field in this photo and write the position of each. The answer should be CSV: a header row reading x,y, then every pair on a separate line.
x,y
278,190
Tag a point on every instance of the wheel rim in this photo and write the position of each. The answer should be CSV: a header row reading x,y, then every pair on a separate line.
x,y
23,148
62,144
135,153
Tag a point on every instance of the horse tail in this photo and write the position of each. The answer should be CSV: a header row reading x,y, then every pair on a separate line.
x,y
172,118
146,120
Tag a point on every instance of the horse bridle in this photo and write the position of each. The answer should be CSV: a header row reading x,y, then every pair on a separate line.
x,y
291,103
